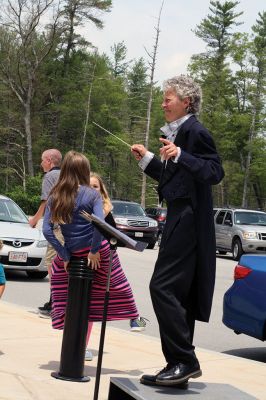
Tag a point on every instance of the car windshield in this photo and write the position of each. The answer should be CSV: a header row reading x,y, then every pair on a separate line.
x,y
250,218
10,212
128,209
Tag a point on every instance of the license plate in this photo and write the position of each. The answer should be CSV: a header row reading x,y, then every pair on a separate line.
x,y
139,234
16,256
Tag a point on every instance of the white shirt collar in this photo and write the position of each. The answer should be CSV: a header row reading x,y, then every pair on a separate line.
x,y
173,127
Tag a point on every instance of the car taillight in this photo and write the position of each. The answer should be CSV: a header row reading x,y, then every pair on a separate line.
x,y
161,218
241,272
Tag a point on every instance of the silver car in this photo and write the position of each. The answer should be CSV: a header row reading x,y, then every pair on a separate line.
x,y
24,247
240,231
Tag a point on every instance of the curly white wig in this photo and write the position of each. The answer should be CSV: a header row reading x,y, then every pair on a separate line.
x,y
184,86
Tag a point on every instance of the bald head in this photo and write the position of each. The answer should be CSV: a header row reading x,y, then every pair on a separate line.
x,y
51,158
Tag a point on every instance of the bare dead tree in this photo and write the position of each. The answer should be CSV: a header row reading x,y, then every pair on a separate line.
x,y
89,102
152,64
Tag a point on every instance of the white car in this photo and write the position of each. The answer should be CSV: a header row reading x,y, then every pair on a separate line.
x,y
24,247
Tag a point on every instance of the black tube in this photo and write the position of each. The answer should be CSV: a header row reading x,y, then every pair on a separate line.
x,y
76,321
113,244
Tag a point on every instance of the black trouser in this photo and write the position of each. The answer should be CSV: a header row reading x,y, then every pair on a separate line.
x,y
171,284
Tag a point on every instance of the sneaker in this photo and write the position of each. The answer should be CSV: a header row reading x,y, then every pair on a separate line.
x,y
46,307
44,313
138,324
88,355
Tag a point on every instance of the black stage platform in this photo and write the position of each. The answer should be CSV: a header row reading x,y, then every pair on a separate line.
x,y
132,389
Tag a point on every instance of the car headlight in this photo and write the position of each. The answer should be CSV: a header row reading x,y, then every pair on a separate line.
x,y
153,223
121,221
42,243
250,235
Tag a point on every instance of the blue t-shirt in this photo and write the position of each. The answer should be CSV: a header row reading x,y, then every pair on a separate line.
x,y
2,275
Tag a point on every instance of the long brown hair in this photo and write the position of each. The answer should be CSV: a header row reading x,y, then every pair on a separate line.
x,y
75,171
107,205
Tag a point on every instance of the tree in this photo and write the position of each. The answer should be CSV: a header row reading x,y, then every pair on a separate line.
x,y
119,65
152,64
137,98
212,67
256,95
73,72
91,80
212,71
23,50
76,13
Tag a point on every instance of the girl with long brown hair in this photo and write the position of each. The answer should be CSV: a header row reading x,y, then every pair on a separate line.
x,y
70,196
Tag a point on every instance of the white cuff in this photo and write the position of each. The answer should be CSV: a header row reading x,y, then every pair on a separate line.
x,y
175,159
143,163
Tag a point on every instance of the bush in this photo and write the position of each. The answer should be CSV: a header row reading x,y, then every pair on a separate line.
x,y
29,201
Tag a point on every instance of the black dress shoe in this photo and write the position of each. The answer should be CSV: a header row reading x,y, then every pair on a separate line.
x,y
151,380
178,373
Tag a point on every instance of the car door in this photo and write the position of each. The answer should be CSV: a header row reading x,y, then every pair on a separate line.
x,y
219,229
227,230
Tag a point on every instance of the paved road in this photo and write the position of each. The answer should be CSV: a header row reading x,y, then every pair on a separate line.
x,y
138,268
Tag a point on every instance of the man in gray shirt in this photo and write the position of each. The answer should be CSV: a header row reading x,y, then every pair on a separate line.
x,y
51,161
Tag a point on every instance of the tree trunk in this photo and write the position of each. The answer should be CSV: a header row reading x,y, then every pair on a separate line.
x,y
147,134
70,41
258,196
246,181
88,106
248,160
27,123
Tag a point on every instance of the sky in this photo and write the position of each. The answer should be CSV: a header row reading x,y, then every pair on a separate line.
x,y
134,22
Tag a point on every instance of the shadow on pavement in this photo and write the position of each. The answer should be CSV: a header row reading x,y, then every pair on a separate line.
x,y
251,353
91,370
21,276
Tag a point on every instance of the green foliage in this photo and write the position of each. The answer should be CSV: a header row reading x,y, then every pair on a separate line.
x,y
29,201
75,83
232,76
119,64
215,28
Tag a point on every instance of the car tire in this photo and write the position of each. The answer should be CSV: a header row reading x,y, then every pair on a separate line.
x,y
159,238
237,250
151,245
37,274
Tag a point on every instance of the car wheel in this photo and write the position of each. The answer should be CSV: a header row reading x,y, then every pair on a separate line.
x,y
237,250
159,238
222,252
151,245
37,274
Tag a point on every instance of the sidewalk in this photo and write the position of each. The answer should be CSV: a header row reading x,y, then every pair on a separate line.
x,y
30,351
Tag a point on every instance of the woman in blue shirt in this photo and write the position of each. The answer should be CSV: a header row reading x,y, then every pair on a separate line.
x,y
68,198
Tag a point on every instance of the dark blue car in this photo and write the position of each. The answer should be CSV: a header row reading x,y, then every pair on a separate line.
x,y
244,307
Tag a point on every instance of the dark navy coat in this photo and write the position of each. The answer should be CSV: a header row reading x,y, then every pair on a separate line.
x,y
198,168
